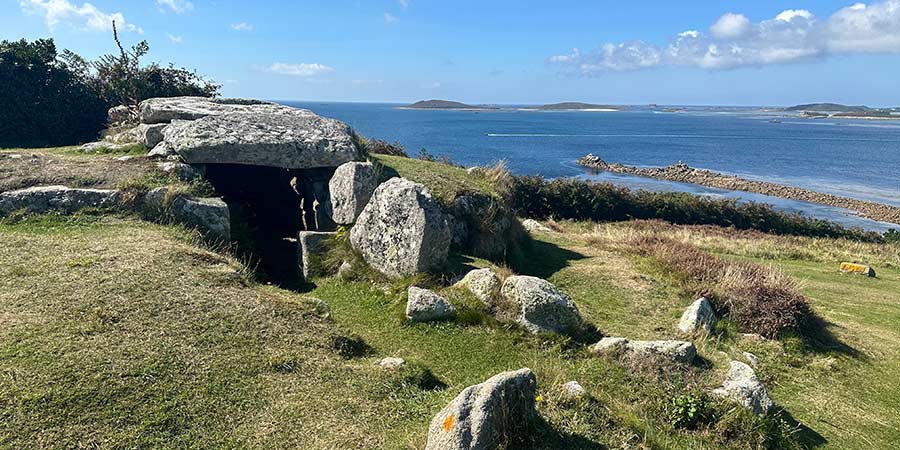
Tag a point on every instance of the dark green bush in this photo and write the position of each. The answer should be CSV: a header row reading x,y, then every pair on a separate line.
x,y
48,99
535,197
43,101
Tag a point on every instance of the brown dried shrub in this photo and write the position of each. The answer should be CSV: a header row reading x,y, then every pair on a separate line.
x,y
758,298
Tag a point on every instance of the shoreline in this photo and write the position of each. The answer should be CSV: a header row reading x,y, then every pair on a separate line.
x,y
685,174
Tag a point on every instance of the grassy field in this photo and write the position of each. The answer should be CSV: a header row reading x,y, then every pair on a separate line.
x,y
118,333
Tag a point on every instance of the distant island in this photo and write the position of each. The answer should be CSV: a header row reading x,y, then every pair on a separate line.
x,y
838,111
576,106
446,104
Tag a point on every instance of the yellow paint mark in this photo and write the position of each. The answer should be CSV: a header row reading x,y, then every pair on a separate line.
x,y
448,423
855,268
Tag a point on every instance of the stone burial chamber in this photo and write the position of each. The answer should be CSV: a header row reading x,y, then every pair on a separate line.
x,y
271,164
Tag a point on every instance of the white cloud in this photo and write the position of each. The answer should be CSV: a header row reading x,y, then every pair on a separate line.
x,y
435,85
300,70
242,26
730,26
865,28
390,18
85,17
403,3
176,6
175,39
789,14
733,41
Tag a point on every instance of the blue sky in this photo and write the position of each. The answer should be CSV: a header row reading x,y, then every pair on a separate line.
x,y
760,52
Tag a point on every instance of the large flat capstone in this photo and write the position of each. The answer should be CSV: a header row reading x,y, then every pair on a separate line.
x,y
249,132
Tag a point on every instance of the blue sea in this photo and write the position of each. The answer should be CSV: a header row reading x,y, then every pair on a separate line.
x,y
853,158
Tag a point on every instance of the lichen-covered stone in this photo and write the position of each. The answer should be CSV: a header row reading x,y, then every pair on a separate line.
x,y
482,414
350,188
423,305
210,216
402,230
699,316
276,137
541,307
391,363
678,351
743,387
41,199
167,109
484,284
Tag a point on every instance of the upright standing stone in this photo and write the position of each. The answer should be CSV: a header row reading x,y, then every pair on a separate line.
x,y
309,244
402,230
698,316
481,415
351,188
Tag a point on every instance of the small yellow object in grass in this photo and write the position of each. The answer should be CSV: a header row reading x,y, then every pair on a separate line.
x,y
539,398
860,269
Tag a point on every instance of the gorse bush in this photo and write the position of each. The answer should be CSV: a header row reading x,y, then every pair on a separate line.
x,y
51,99
535,197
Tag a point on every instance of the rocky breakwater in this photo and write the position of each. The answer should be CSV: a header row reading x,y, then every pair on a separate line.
x,y
683,173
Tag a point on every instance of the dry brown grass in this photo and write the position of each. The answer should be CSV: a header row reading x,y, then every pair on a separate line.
x,y
41,168
760,299
500,177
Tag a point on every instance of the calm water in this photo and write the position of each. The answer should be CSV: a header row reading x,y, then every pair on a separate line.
x,y
858,159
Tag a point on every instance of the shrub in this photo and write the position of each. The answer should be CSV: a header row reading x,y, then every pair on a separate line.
x,y
689,410
48,99
379,147
759,299
43,101
576,199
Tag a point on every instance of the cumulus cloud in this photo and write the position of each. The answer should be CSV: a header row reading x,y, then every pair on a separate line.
x,y
300,70
734,41
176,6
175,39
85,17
390,18
730,26
242,26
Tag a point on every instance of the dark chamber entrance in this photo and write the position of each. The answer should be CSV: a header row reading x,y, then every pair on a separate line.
x,y
268,206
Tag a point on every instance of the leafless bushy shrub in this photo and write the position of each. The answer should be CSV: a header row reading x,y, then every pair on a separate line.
x,y
760,299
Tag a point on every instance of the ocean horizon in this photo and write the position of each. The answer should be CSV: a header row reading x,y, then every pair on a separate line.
x,y
846,157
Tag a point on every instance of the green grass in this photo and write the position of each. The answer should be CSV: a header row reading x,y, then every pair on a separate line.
x,y
444,181
119,333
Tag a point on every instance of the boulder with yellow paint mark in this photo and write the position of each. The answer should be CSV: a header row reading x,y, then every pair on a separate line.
x,y
484,415
859,269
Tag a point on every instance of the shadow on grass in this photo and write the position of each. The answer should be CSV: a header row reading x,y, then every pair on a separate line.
x,y
543,259
808,437
542,435
818,338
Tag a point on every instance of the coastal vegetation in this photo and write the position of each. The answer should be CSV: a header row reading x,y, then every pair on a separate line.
x,y
53,99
